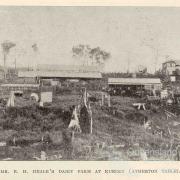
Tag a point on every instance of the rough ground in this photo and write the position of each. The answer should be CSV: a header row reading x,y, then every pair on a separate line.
x,y
118,132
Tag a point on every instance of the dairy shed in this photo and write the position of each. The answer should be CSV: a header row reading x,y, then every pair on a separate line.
x,y
134,84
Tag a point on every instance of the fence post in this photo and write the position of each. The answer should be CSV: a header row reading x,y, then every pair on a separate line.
x,y
102,99
109,100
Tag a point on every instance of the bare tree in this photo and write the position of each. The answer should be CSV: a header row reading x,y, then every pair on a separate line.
x,y
152,39
6,46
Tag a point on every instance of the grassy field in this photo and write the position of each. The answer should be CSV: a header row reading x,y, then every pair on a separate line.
x,y
119,132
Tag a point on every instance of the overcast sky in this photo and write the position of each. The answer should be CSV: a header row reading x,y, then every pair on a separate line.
x,y
131,34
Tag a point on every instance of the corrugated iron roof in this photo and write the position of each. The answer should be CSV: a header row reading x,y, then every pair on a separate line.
x,y
176,61
56,67
134,81
60,74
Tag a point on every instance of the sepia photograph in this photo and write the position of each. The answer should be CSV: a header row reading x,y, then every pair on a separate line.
x,y
89,83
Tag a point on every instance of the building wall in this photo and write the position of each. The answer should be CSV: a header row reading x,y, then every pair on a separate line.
x,y
169,68
136,87
153,86
1,74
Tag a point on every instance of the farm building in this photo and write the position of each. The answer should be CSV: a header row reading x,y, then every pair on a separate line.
x,y
14,87
171,67
59,75
5,89
134,84
62,72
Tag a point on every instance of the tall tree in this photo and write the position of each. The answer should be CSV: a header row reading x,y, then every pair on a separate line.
x,y
6,46
92,56
81,52
35,47
99,56
35,57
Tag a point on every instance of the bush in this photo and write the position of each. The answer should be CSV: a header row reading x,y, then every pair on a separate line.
x,y
35,118
63,90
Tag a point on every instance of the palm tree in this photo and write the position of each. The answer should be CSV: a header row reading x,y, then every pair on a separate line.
x,y
6,46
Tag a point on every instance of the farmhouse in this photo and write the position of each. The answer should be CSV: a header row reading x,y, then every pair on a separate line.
x,y
171,67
